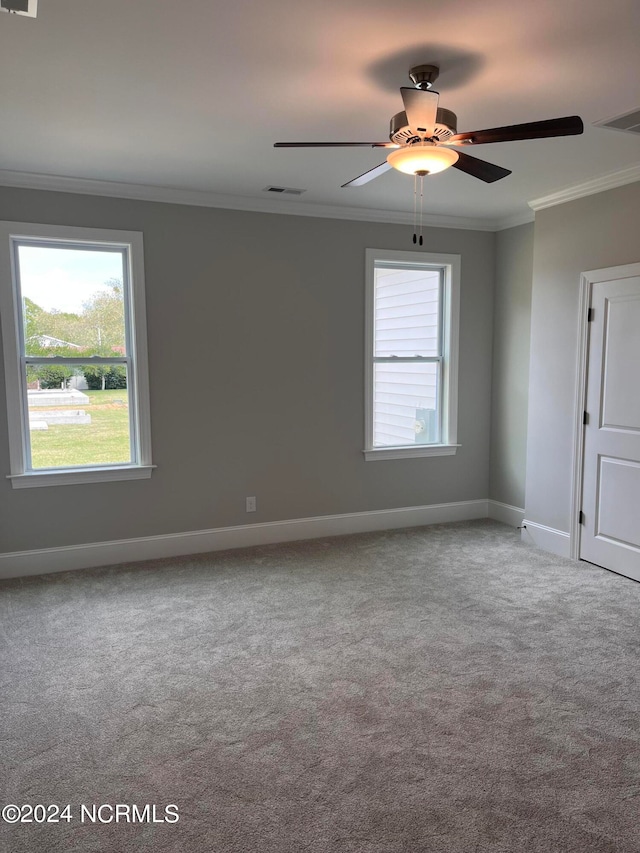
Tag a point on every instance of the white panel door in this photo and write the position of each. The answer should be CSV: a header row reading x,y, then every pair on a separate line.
x,y
610,533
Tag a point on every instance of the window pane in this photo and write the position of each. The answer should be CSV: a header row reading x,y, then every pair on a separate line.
x,y
78,415
406,312
72,301
405,404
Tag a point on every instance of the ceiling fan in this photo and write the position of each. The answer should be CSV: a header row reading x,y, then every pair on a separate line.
x,y
422,136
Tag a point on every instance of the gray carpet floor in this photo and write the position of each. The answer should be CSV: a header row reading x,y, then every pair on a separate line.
x,y
443,689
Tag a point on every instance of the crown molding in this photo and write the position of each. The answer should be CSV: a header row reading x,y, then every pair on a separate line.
x,y
199,198
515,219
596,185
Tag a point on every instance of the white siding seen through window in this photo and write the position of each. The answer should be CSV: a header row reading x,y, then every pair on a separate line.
x,y
407,315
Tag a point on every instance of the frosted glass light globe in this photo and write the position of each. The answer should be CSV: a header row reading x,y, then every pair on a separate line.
x,y
422,158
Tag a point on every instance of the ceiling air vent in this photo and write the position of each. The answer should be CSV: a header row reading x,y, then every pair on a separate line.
x,y
629,122
20,7
283,190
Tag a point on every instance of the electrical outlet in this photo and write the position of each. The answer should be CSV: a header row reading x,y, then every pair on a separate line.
x,y
251,504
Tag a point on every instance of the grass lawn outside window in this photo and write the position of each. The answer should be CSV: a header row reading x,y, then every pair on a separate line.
x,y
105,441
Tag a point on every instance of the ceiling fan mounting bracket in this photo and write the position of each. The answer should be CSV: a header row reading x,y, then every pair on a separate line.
x,y
424,76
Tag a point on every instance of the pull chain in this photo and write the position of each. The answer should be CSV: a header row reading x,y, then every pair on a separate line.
x,y
421,206
415,202
417,223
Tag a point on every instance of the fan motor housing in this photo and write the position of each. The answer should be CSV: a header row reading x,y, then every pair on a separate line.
x,y
446,127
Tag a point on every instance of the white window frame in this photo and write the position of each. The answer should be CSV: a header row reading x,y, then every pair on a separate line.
x,y
450,322
13,234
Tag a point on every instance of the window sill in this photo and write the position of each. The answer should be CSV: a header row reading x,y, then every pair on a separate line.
x,y
381,453
73,476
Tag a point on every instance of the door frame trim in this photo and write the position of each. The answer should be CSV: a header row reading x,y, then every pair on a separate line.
x,y
587,280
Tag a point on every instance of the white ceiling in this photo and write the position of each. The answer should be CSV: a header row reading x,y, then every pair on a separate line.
x,y
193,94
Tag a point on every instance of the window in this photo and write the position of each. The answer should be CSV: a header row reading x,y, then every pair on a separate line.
x,y
74,333
411,361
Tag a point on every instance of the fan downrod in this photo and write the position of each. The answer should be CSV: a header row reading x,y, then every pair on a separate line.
x,y
424,76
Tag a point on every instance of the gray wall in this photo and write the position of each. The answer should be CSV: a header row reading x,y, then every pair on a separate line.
x,y
511,334
591,233
235,300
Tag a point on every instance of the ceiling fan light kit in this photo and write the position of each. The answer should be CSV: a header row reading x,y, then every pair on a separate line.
x,y
424,158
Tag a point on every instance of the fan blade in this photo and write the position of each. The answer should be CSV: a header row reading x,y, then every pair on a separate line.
x,y
487,172
368,176
567,126
335,145
421,108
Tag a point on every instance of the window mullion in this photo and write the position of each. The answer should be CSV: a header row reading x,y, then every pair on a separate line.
x,y
60,359
398,359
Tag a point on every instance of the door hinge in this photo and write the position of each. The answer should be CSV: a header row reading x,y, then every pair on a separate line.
x,y
585,418
590,314
580,517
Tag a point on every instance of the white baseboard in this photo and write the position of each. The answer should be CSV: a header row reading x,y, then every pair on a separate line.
x,y
47,560
547,538
507,514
